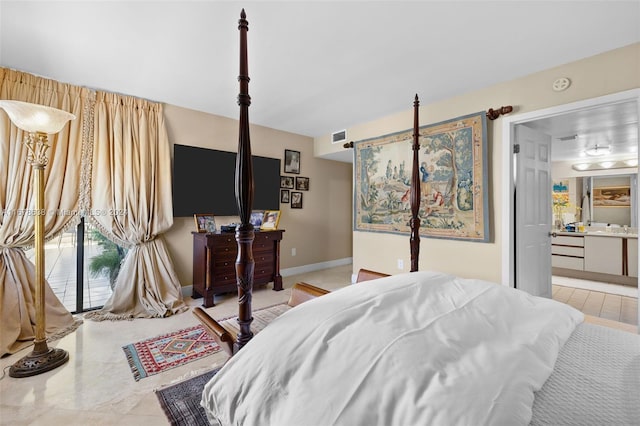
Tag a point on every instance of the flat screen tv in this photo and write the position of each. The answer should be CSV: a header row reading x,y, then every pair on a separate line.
x,y
204,182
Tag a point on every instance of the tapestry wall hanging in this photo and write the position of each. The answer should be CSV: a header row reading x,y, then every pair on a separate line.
x,y
453,180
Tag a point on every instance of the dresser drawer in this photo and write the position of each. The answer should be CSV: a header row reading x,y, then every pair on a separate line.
x,y
263,257
263,276
225,240
220,260
224,278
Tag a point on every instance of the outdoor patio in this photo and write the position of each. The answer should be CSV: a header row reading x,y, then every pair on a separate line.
x,y
60,272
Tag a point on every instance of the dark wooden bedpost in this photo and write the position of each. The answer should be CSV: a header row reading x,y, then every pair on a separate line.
x,y
414,241
244,198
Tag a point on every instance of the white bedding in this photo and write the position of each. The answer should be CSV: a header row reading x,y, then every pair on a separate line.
x,y
411,349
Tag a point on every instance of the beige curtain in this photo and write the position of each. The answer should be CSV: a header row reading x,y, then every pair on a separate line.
x,y
131,204
62,195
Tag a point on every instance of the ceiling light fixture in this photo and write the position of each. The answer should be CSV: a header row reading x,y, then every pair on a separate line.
x,y
604,165
598,150
581,167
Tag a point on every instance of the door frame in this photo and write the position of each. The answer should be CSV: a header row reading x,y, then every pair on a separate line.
x,y
508,181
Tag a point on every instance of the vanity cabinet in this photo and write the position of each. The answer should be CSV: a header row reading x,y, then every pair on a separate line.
x,y
632,257
567,251
603,254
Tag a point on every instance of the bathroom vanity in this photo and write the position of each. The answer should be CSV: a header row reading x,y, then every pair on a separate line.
x,y
596,255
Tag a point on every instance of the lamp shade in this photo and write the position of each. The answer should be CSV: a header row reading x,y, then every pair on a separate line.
x,y
36,118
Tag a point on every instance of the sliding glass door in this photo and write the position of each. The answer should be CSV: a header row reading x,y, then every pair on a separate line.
x,y
80,266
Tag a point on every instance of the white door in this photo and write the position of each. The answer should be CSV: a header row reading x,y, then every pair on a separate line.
x,y
533,212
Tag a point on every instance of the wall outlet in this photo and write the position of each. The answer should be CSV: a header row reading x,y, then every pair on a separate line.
x,y
293,251
401,264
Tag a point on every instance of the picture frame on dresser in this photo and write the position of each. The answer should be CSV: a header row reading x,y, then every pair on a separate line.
x,y
256,218
271,220
205,222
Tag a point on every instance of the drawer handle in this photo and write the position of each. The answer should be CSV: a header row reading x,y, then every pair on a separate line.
x,y
553,234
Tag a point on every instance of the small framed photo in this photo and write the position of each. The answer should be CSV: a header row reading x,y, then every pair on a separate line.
x,y
284,196
291,161
256,218
270,220
286,182
205,222
302,183
296,200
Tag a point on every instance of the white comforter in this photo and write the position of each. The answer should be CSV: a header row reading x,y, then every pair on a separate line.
x,y
415,349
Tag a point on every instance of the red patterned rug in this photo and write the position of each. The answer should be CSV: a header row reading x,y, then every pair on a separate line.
x,y
161,353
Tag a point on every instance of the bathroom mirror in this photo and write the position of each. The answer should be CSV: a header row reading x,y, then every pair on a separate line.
x,y
601,200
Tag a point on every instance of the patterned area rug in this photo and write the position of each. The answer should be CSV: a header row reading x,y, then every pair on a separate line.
x,y
181,402
161,353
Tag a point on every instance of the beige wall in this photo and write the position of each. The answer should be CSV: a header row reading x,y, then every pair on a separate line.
x,y
607,73
321,231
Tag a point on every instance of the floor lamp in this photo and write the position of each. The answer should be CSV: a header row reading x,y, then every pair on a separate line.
x,y
38,121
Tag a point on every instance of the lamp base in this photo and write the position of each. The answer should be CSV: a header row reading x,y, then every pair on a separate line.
x,y
38,363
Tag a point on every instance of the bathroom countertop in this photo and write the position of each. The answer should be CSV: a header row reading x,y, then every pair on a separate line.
x,y
620,234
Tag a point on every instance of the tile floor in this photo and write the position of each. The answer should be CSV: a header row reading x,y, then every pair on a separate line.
x,y
609,301
96,386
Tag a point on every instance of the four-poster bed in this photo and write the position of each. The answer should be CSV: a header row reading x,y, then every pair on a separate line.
x,y
414,348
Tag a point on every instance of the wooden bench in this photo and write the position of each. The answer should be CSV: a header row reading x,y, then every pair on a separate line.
x,y
225,332
366,275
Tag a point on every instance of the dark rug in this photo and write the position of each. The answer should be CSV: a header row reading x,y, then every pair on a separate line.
x,y
181,402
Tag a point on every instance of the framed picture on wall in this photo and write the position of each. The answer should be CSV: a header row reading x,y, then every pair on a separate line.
x,y
286,182
615,196
284,196
302,183
205,222
296,200
291,161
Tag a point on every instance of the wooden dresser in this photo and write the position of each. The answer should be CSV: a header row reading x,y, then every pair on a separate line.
x,y
214,262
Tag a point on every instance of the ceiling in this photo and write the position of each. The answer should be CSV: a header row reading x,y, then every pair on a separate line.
x,y
612,125
315,67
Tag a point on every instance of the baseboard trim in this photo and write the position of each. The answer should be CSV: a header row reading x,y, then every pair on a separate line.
x,y
187,289
315,266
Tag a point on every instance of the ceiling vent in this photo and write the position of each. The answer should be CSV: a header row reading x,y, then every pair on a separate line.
x,y
338,137
568,138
